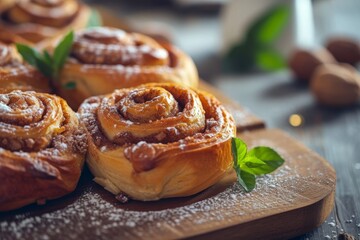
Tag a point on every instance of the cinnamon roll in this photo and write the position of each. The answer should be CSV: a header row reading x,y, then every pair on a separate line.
x,y
42,148
38,20
16,75
11,38
157,140
103,59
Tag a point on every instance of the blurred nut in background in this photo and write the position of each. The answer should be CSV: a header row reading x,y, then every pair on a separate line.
x,y
344,50
336,85
304,62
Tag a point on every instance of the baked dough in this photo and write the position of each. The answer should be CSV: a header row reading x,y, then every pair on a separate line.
x,y
16,75
42,148
104,59
157,140
43,20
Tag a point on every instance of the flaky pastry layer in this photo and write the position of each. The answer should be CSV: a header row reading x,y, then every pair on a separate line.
x,y
16,75
40,21
157,140
104,59
42,148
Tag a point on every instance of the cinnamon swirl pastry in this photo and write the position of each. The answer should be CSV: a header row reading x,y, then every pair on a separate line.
x,y
38,20
42,148
157,140
104,59
16,75
10,38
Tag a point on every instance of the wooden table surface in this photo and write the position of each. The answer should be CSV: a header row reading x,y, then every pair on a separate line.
x,y
274,97
334,134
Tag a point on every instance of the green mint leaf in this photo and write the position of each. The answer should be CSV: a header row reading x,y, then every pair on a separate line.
x,y
94,19
254,50
44,67
251,162
29,54
47,57
62,51
239,58
49,65
270,60
267,155
34,58
239,150
252,165
70,85
246,180
268,27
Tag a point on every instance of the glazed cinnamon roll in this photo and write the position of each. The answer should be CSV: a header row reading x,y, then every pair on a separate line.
x,y
38,20
42,148
157,140
16,75
104,59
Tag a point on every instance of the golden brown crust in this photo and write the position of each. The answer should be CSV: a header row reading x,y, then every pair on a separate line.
x,y
42,148
16,75
43,20
4,4
104,59
157,140
11,38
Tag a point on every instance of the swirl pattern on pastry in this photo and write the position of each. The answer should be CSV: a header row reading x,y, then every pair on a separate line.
x,y
104,59
15,75
42,148
36,20
157,140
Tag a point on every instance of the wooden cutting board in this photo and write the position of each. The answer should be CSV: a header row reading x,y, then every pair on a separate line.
x,y
244,119
293,200
287,203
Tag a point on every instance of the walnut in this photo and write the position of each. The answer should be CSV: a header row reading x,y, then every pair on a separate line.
x,y
336,85
345,50
303,63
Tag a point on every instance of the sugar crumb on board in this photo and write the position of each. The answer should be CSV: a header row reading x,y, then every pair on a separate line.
x,y
105,219
70,220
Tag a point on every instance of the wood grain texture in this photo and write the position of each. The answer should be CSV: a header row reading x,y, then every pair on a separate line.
x,y
291,201
244,119
332,133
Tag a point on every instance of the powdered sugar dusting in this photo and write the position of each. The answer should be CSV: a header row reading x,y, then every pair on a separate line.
x,y
106,218
4,108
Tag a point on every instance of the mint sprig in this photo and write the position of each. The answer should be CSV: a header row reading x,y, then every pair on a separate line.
x,y
61,52
49,65
256,49
249,164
